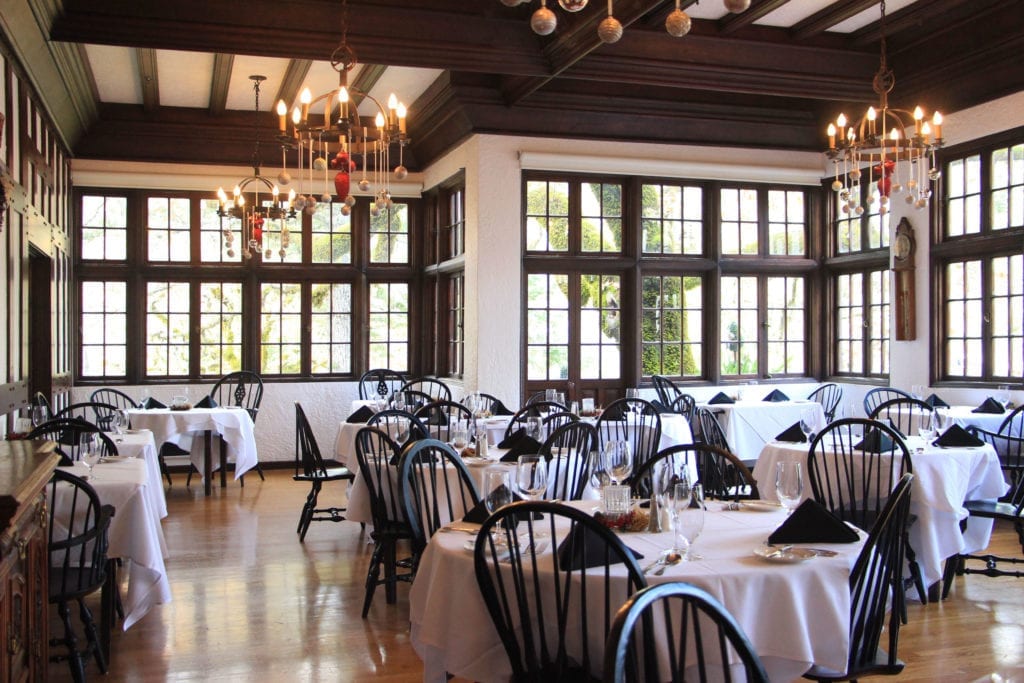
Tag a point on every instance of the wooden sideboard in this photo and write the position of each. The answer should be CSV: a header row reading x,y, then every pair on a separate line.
x,y
25,469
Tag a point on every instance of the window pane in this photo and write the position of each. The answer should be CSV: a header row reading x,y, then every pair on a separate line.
x,y
672,219
600,327
330,350
280,327
331,234
220,328
601,219
389,237
389,325
103,324
547,216
963,317
547,326
219,240
785,332
739,326
167,329
787,224
104,228
168,221
671,326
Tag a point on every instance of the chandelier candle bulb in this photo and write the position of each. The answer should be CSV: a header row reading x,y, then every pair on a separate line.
x,y
401,111
937,125
305,98
282,116
831,136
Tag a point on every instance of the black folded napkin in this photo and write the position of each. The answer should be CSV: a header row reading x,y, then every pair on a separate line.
x,y
793,434
721,398
526,445
498,408
875,440
958,437
152,404
661,407
893,427
584,548
479,513
510,440
614,412
990,405
206,402
362,415
935,402
811,522
776,397
437,418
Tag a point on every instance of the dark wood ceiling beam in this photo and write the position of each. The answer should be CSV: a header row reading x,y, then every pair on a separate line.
x,y
911,18
219,82
446,35
294,75
149,78
575,44
758,9
364,82
829,16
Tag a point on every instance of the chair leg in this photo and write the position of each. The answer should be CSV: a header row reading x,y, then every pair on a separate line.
x,y
188,480
372,576
70,641
391,571
915,573
164,471
92,636
308,510
953,567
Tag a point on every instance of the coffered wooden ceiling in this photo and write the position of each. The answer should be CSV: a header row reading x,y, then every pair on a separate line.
x,y
168,80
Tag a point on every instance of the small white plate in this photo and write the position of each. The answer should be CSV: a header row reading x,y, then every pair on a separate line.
x,y
783,555
760,505
135,431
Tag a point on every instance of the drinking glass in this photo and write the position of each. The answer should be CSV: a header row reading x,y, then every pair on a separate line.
x,y
808,423
497,488
145,397
1003,395
550,394
38,415
687,518
597,472
459,437
917,391
532,476
631,392
789,484
669,476
120,423
925,427
618,456
89,451
941,420
533,427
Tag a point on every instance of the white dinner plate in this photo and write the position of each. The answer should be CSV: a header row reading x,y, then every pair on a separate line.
x,y
760,505
478,462
135,431
784,555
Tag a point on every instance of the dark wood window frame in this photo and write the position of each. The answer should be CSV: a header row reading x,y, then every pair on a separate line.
x,y
633,265
984,246
137,271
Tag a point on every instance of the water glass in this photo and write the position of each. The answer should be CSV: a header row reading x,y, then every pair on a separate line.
x,y
497,489
587,406
617,500
574,407
534,426
88,451
597,472
808,423
460,437
550,394
120,422
789,484
532,476
38,415
1003,395
618,457
687,518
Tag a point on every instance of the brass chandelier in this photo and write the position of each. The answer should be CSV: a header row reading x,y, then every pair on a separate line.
x,y
884,142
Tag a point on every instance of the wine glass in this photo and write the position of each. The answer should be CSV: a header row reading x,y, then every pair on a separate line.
x,y
789,484
808,423
120,423
687,518
941,420
532,476
38,415
631,393
925,427
1003,395
533,427
89,451
497,488
597,472
618,457
460,437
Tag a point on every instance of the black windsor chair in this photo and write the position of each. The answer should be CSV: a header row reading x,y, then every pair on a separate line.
x,y
315,471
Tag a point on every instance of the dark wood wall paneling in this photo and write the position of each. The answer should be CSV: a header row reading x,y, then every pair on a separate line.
x,y
34,249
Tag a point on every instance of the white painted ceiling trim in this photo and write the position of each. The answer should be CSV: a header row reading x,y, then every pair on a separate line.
x,y
806,170
156,176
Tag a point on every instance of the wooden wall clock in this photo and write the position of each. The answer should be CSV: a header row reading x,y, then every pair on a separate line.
x,y
903,250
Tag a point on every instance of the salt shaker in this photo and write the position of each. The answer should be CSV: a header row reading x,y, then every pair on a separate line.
x,y
481,443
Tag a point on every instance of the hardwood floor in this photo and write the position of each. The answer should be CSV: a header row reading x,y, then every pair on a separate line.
x,y
252,603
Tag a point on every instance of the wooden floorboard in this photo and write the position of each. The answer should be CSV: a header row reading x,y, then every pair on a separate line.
x,y
252,603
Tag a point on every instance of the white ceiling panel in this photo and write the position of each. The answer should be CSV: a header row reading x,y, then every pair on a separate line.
x,y
320,79
792,12
407,83
240,94
184,78
870,15
116,73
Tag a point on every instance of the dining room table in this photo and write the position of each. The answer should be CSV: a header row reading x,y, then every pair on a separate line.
x,y
749,424
943,479
796,612
139,443
232,425
135,536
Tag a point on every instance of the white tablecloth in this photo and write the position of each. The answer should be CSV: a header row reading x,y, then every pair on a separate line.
x,y
140,444
135,533
234,424
749,425
943,479
963,416
795,615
